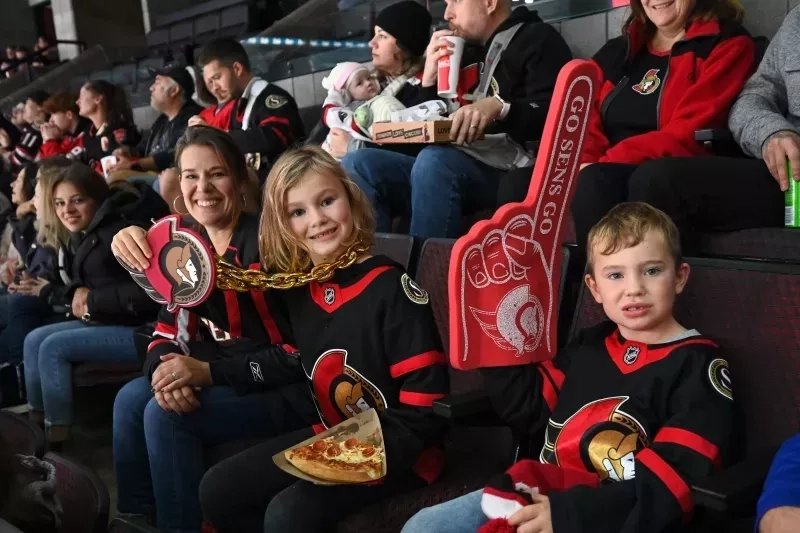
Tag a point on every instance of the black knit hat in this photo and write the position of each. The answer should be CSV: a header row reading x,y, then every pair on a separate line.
x,y
409,23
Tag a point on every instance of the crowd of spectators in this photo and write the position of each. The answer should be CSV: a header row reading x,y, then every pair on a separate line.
x,y
18,59
228,370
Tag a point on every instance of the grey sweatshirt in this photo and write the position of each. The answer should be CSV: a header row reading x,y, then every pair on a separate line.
x,y
770,100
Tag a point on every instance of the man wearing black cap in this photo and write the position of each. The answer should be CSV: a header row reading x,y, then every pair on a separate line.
x,y
171,95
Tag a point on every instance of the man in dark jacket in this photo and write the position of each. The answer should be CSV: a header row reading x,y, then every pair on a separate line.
x,y
521,57
265,120
171,95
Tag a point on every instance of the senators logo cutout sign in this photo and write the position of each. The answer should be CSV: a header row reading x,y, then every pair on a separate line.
x,y
182,273
505,273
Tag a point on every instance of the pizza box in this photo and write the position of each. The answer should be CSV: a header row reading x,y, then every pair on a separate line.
x,y
366,427
428,132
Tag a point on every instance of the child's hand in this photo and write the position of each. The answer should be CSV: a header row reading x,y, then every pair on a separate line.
x,y
533,518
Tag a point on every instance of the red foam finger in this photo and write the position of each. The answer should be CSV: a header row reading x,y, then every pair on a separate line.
x,y
495,258
506,313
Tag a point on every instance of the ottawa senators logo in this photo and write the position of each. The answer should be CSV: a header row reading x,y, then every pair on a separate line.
x,y
340,391
599,438
649,84
183,273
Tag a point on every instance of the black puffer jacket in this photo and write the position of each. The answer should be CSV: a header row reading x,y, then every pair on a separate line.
x,y
40,261
114,298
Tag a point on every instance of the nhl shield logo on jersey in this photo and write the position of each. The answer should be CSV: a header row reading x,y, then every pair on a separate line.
x,y
415,293
600,437
330,295
340,391
631,355
720,377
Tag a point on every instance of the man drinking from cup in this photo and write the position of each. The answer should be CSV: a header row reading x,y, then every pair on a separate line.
x,y
505,98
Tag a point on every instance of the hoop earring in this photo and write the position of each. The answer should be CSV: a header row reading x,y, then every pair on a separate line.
x,y
175,208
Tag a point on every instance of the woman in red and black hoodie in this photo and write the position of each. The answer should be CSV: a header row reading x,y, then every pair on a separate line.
x,y
677,68
107,107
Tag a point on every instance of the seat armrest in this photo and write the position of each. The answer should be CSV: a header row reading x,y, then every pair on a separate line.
x,y
735,489
472,409
713,135
465,405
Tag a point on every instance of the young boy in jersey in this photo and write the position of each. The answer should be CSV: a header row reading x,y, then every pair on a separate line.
x,y
366,339
636,409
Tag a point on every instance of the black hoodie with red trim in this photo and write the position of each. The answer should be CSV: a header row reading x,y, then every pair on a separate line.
x,y
647,420
706,71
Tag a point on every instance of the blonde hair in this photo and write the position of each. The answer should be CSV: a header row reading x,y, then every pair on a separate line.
x,y
51,232
280,249
722,10
626,225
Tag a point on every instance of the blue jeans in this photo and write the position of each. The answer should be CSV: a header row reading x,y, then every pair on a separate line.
x,y
436,188
158,455
50,352
24,314
462,515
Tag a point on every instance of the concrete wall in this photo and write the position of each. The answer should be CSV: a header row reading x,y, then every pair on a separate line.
x,y
17,25
116,23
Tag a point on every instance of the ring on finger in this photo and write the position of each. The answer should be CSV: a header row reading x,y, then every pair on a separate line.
x,y
174,376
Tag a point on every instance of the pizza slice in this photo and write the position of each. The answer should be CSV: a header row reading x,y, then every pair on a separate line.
x,y
347,461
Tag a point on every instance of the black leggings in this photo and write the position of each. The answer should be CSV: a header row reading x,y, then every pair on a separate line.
x,y
701,194
248,493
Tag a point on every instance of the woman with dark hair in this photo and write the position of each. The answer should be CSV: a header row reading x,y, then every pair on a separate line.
x,y
105,304
159,437
107,107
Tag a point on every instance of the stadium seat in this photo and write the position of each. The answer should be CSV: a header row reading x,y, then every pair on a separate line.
x,y
83,496
158,38
752,309
206,28
774,244
234,21
93,374
23,436
398,248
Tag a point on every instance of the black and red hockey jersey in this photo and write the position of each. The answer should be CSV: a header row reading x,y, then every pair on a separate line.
x,y
94,145
68,141
367,339
27,148
224,316
647,420
265,121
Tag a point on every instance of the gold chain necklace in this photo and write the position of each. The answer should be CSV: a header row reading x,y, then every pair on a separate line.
x,y
233,278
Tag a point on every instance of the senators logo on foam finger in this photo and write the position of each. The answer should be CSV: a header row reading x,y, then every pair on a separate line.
x,y
505,273
183,274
